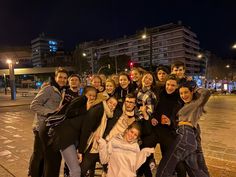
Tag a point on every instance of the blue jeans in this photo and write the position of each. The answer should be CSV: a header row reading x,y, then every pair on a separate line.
x,y
184,149
70,156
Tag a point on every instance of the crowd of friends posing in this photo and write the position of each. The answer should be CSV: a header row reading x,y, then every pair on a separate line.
x,y
118,121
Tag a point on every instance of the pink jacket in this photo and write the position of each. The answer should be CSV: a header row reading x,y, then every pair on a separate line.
x,y
123,158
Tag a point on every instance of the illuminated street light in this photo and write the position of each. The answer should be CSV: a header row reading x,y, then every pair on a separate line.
x,y
9,61
12,79
227,66
234,46
84,54
144,36
199,56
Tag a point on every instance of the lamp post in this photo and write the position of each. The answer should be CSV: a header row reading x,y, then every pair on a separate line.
x,y
144,36
5,83
12,79
92,60
200,56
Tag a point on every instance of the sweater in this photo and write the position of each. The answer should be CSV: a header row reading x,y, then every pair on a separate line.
x,y
123,158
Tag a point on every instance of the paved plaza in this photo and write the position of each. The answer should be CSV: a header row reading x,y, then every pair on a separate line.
x,y
218,136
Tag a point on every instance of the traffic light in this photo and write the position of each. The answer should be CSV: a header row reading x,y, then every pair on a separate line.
x,y
131,64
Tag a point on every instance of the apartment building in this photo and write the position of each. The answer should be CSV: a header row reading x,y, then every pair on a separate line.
x,y
43,47
168,43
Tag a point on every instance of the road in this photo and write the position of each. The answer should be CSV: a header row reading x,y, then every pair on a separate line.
x,y
218,138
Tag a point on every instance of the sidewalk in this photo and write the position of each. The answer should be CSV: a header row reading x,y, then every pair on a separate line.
x,y
5,100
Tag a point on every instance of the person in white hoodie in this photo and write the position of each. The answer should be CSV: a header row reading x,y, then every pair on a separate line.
x,y
122,152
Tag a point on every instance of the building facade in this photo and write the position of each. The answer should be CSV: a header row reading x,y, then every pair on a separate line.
x,y
44,48
168,43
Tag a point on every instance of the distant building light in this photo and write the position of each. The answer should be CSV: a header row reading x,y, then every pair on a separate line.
x,y
52,42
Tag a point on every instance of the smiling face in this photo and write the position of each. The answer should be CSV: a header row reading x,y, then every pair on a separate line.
x,y
179,71
61,79
147,80
111,103
131,135
185,94
124,81
96,82
135,75
171,86
110,87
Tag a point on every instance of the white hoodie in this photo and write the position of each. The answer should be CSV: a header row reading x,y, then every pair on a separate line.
x,y
123,158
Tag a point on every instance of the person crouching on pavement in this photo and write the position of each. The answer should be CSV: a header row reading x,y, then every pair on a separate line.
x,y
122,152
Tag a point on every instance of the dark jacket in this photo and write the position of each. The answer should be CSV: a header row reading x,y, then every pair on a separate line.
x,y
78,125
168,105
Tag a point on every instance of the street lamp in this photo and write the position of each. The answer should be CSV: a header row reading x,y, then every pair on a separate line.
x,y
12,79
144,36
200,56
5,83
92,60
234,46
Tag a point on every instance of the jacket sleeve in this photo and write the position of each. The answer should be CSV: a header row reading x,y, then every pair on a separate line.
x,y
104,153
142,155
204,96
37,105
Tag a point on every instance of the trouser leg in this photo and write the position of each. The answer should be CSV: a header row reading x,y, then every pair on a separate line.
x,y
52,157
70,156
184,145
200,156
36,160
89,162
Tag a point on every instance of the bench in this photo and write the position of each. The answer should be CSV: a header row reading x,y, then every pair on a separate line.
x,y
24,94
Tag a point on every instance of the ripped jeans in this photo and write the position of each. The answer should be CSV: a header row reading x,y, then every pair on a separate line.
x,y
184,149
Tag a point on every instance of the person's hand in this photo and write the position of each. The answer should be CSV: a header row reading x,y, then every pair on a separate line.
x,y
80,157
165,120
45,84
96,137
154,122
143,110
189,78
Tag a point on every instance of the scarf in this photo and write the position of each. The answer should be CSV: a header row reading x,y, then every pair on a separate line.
x,y
101,129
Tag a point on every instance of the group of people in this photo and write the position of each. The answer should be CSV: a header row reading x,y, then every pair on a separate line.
x,y
118,121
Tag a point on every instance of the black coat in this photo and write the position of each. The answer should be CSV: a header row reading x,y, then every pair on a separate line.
x,y
168,104
78,125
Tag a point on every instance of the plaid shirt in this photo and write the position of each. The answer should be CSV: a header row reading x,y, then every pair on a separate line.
x,y
149,98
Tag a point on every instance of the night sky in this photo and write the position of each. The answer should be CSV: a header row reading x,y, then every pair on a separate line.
x,y
214,21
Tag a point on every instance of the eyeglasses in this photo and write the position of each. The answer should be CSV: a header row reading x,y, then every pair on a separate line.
x,y
130,102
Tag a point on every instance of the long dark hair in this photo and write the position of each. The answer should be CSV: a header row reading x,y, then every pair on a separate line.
x,y
191,85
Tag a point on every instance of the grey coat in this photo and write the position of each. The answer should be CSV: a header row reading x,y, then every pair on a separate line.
x,y
46,101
